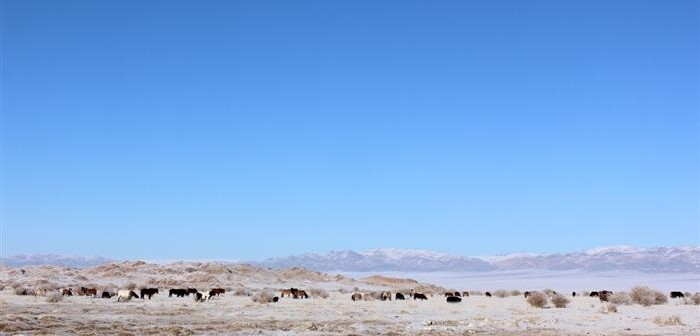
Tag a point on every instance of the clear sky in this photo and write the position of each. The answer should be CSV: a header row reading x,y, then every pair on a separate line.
x,y
243,130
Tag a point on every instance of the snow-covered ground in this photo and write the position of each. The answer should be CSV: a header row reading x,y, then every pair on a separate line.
x,y
563,281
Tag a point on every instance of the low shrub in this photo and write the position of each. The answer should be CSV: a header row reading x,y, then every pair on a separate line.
x,y
318,293
263,297
501,293
537,299
560,301
54,298
668,320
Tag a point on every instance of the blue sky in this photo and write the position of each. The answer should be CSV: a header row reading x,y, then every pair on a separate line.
x,y
243,130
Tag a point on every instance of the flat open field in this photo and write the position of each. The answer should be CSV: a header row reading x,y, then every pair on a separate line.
x,y
336,315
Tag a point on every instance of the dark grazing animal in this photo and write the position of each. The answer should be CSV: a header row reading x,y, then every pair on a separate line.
x,y
385,296
594,294
454,299
301,294
275,299
448,294
419,296
488,294
526,294
457,294
676,294
106,295
356,297
148,292
178,292
67,292
217,291
573,294
400,296
191,290
465,294
88,291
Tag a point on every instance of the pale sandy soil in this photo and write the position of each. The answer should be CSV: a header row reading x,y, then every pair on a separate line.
x,y
336,315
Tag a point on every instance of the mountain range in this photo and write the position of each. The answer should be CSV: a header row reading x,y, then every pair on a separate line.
x,y
655,259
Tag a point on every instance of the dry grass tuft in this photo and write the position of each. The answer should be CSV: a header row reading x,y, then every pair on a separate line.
x,y
672,320
317,293
478,293
54,298
692,300
549,292
646,296
537,299
559,301
501,293
241,291
263,297
608,309
515,292
620,298
130,286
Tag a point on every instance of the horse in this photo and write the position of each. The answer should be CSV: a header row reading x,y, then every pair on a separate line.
x,y
676,294
454,299
385,296
288,292
106,295
419,296
126,295
40,292
201,296
67,292
465,294
217,291
275,299
400,296
178,292
149,292
488,294
300,294
356,297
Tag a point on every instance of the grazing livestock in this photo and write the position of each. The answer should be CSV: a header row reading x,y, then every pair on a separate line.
x,y
217,291
593,294
368,297
88,291
67,292
465,294
454,299
149,292
419,296
448,294
300,294
275,299
488,294
288,292
573,294
675,295
191,291
126,295
385,296
356,297
178,292
106,295
603,296
527,294
400,296
40,292
457,294
201,296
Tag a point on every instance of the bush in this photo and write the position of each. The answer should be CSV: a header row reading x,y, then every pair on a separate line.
x,y
560,301
131,286
318,293
55,297
537,299
695,299
263,297
646,296
585,293
620,298
668,320
241,291
549,292
515,292
501,293
476,293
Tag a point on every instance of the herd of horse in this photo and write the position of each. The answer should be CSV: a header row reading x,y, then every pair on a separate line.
x,y
124,295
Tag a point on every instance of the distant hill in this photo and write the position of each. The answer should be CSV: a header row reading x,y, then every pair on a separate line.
x,y
657,259
53,260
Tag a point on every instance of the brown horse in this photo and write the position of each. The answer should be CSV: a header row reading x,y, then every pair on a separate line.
x,y
385,296
288,292
67,292
356,297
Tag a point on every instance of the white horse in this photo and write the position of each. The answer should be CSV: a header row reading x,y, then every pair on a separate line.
x,y
126,295
202,296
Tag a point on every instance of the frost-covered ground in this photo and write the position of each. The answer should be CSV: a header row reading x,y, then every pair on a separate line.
x,y
337,315
563,281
